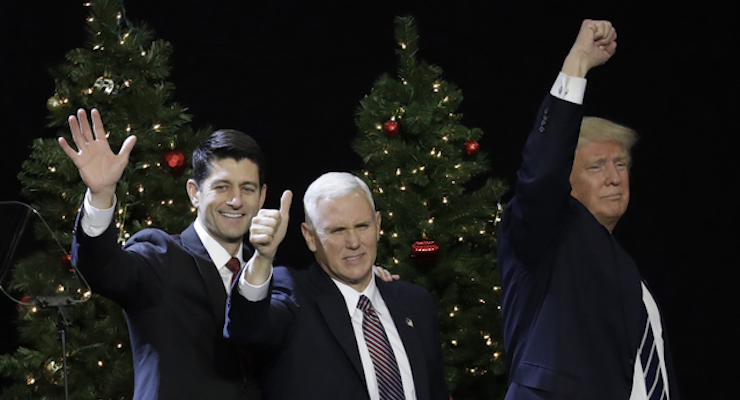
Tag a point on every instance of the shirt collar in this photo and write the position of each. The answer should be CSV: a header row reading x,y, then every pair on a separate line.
x,y
218,254
352,296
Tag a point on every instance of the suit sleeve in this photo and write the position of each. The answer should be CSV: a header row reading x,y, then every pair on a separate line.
x,y
536,214
265,323
133,276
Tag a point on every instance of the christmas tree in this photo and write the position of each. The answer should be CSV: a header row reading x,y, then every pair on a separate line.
x,y
122,72
438,229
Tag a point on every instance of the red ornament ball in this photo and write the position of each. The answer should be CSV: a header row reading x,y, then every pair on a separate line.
x,y
472,147
424,251
67,262
174,162
390,128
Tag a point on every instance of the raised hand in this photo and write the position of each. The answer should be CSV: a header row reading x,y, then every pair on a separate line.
x,y
99,167
595,44
265,234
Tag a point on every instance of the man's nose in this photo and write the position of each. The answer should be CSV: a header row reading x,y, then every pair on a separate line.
x,y
353,239
612,175
235,199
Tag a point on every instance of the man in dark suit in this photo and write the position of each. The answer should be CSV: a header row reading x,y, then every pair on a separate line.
x,y
579,322
173,287
318,327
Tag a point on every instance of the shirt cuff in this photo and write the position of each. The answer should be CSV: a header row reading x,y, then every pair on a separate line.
x,y
95,221
251,292
569,88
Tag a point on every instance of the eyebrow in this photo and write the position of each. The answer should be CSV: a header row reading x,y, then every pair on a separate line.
x,y
226,181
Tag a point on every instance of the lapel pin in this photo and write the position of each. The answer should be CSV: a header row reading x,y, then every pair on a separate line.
x,y
409,322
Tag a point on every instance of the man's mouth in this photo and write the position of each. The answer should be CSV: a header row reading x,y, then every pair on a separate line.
x,y
231,215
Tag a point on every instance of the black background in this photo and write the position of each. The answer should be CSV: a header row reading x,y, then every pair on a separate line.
x,y
292,73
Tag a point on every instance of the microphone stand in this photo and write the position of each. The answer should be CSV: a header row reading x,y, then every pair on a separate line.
x,y
62,305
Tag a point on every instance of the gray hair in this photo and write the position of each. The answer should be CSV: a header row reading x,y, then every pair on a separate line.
x,y
332,185
595,129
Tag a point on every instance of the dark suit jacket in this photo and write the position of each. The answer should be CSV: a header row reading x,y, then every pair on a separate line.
x,y
309,346
572,301
175,301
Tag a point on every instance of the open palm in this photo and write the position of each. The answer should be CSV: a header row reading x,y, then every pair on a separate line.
x,y
99,167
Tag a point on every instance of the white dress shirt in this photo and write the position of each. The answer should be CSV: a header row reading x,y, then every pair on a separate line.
x,y
352,297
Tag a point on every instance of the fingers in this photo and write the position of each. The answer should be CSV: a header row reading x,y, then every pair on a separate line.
x,y
84,126
127,146
97,123
384,274
285,201
264,225
68,150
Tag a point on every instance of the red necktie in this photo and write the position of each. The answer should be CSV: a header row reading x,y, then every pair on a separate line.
x,y
386,367
234,267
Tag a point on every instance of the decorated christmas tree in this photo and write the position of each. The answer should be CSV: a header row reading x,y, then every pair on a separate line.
x,y
438,227
122,72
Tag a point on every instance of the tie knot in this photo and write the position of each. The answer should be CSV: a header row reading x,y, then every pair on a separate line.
x,y
233,265
364,304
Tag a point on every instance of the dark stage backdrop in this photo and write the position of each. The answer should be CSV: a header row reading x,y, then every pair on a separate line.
x,y
292,73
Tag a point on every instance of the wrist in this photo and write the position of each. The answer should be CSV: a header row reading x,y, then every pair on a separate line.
x,y
102,199
576,64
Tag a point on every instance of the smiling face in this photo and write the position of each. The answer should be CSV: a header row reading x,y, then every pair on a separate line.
x,y
600,180
345,238
227,200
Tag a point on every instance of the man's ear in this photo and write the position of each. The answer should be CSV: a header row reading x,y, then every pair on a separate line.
x,y
308,236
377,224
192,187
263,194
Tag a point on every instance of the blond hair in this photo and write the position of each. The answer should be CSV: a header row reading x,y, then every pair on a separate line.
x,y
595,129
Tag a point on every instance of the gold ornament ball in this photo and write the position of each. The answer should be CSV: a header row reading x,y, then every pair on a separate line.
x,y
54,103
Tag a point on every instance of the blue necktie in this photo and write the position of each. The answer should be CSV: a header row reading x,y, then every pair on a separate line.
x,y
384,361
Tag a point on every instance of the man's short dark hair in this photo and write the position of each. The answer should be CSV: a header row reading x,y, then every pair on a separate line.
x,y
222,144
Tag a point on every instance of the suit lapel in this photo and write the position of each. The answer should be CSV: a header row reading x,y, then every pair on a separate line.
x,y
332,306
404,320
211,278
